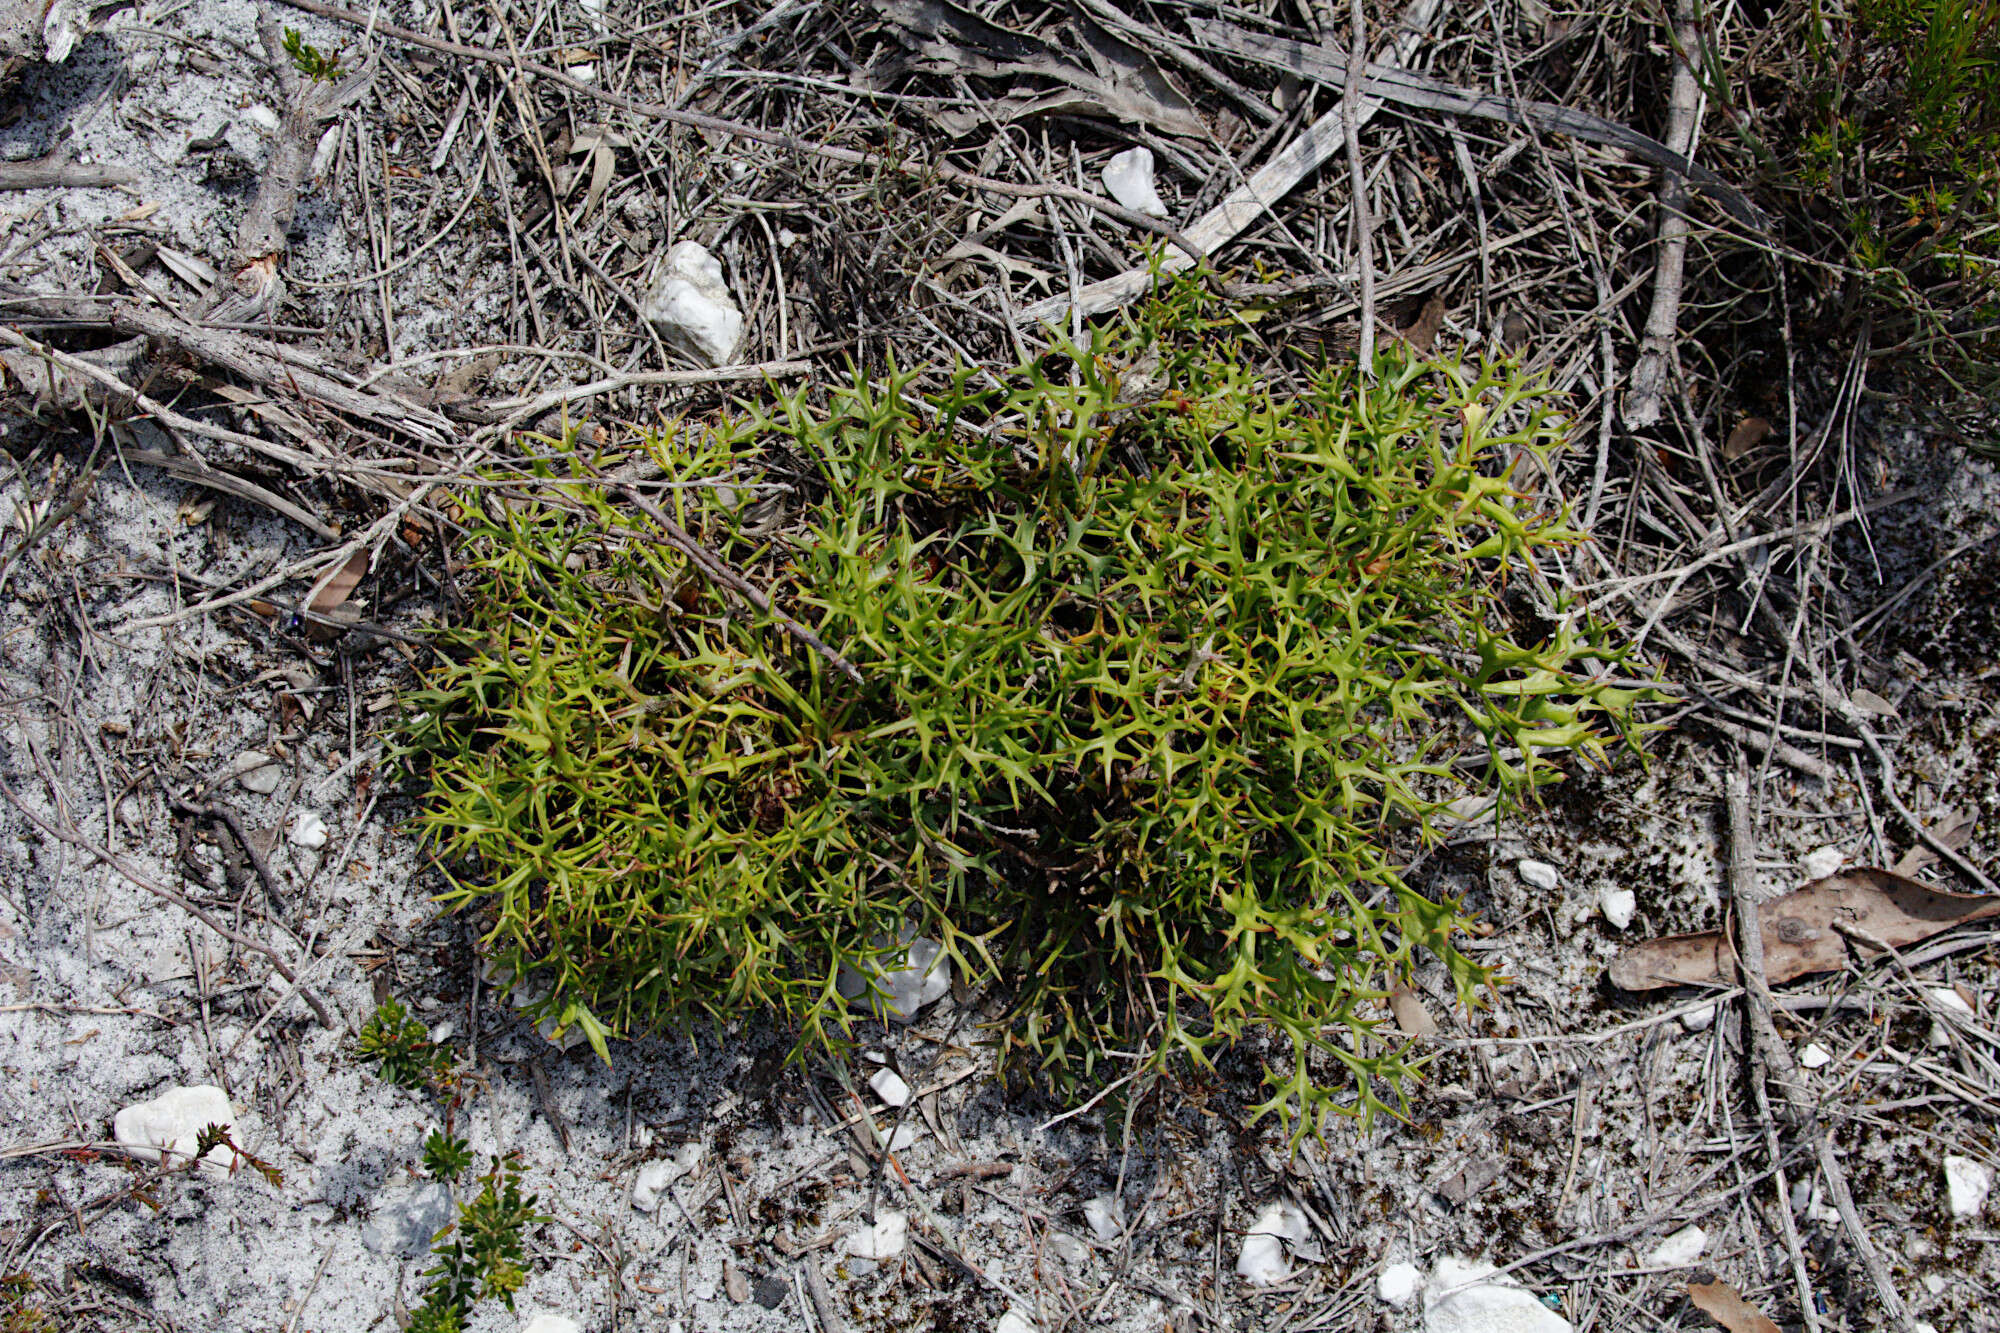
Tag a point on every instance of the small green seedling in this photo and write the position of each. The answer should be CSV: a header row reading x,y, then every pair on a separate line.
x,y
308,60
482,1255
446,1158
402,1048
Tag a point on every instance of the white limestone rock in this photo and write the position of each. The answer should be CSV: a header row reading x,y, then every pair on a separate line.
x,y
1815,1056
258,772
1128,178
1458,1299
1262,1260
657,1175
900,992
551,1323
890,1087
169,1127
405,1220
1539,874
1016,1322
1679,1250
1948,999
307,830
1967,1183
1618,905
1699,1019
884,1240
691,307
1105,1217
1397,1285
1821,862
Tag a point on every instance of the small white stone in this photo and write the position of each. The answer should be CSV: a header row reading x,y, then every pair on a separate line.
x,y
404,1220
1016,1322
262,117
1815,1056
902,1137
1947,997
1821,862
1105,1217
655,1176
1397,1285
1618,906
258,772
1950,1001
1680,1249
170,1126
899,993
1699,1019
1128,178
691,306
884,1240
889,1086
308,830
1458,1300
1967,1183
551,1323
1539,874
1262,1260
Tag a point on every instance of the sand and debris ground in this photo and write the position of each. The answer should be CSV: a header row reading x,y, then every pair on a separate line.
x,y
1567,1130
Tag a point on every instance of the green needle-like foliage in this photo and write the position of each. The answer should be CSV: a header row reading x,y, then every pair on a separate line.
x,y
1156,699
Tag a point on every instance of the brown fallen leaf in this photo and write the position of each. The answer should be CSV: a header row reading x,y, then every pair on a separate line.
x,y
1953,828
1424,329
1411,1016
1799,934
341,586
1726,1306
1749,433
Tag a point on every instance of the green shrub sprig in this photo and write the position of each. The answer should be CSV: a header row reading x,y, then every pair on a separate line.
x,y
1154,692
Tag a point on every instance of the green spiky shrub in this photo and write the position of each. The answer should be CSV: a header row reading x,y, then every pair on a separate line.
x,y
1153,696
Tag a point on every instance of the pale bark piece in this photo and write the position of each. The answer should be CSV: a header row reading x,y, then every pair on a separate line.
x,y
1726,1306
1799,931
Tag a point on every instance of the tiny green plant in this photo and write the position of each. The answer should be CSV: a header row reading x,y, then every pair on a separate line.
x,y
20,1312
446,1158
309,60
217,1136
1159,692
482,1255
401,1047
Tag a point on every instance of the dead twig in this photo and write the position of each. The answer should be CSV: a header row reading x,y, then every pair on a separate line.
x,y
717,571
1776,1057
1649,372
1364,240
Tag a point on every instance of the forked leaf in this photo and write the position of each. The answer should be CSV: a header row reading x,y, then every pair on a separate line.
x,y
1726,1306
1799,933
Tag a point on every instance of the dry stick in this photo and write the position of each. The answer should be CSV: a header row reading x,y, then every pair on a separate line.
x,y
1364,240
57,173
739,129
718,572
187,469
118,863
306,463
1649,372
521,409
1776,1055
